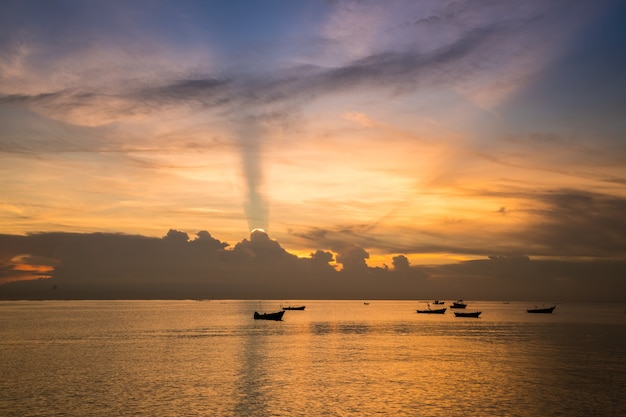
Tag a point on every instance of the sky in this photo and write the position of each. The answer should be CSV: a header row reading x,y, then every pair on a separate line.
x,y
455,146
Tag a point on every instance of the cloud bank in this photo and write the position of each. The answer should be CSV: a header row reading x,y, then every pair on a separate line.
x,y
118,266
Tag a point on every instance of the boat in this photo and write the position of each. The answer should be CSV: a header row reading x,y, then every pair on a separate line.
x,y
458,304
438,302
431,311
543,310
467,313
269,316
294,308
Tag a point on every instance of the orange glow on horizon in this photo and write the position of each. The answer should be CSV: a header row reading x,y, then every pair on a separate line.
x,y
27,268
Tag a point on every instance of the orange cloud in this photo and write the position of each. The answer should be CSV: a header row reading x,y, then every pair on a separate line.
x,y
26,267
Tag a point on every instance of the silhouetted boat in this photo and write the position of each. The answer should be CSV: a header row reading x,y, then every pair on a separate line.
x,y
545,310
467,313
431,311
269,316
438,302
458,304
294,308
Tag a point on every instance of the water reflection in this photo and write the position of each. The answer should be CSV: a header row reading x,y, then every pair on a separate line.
x,y
252,376
184,358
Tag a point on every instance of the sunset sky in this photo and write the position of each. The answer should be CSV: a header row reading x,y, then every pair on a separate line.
x,y
444,131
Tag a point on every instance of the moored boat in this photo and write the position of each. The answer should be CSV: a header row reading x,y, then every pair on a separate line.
x,y
467,313
439,302
294,308
431,311
269,316
458,304
543,310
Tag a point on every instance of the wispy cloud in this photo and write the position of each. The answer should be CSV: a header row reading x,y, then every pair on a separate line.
x,y
463,53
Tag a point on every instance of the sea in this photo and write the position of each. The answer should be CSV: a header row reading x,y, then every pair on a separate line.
x,y
335,358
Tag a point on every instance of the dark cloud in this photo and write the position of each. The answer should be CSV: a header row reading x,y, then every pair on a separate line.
x,y
321,260
261,250
404,240
558,223
352,257
102,266
412,68
205,92
578,223
522,278
400,263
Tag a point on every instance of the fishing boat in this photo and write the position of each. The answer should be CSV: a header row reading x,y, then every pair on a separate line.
x,y
543,310
458,304
439,302
467,313
431,311
294,308
269,316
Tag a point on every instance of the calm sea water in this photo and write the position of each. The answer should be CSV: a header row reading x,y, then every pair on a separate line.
x,y
336,358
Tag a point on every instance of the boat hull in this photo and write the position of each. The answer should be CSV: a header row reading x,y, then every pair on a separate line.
x,y
294,308
435,311
467,314
547,310
269,316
